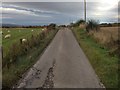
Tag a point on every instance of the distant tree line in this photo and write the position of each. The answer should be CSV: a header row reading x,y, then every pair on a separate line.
x,y
28,26
23,26
109,24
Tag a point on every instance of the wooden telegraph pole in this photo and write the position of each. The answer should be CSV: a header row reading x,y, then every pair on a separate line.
x,y
85,13
85,10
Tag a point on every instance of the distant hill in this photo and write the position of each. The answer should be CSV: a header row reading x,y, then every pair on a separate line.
x,y
9,25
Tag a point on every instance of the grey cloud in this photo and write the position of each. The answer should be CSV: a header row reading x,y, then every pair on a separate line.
x,y
60,12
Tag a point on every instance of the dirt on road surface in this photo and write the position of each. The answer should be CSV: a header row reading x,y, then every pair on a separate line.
x,y
62,65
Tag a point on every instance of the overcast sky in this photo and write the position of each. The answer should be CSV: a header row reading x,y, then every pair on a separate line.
x,y
40,13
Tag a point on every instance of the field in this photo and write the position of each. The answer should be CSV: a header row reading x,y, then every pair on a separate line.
x,y
105,64
16,35
106,34
108,37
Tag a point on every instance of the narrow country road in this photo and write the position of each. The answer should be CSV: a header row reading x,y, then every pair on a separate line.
x,y
62,65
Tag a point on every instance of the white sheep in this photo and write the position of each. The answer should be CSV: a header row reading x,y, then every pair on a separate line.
x,y
0,32
43,29
7,36
24,40
32,30
8,31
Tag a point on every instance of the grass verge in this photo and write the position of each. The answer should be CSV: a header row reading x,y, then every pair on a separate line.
x,y
23,63
105,66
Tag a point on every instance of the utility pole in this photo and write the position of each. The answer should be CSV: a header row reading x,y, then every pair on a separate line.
x,y
85,10
85,14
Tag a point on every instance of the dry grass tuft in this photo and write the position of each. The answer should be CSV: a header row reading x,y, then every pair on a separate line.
x,y
82,26
107,36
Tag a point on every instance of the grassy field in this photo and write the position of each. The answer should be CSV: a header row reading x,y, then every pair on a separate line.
x,y
106,34
15,71
16,35
108,37
105,65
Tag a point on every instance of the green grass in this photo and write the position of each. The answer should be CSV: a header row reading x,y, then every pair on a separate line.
x,y
16,36
23,63
105,66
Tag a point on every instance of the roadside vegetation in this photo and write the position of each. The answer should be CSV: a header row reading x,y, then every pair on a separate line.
x,y
100,45
21,55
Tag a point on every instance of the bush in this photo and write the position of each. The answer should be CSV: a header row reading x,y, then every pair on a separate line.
x,y
92,25
52,26
78,23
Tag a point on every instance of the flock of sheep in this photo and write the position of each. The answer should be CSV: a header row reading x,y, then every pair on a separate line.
x,y
7,36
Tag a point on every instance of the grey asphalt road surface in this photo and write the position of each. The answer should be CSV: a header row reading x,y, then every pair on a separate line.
x,y
0,67
62,65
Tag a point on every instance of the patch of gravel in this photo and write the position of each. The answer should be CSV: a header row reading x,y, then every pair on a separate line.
x,y
49,79
23,82
49,83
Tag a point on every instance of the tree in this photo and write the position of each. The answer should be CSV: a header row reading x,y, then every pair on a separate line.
x,y
52,26
79,22
92,25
